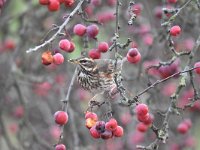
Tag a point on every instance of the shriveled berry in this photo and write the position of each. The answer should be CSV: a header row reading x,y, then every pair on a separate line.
x,y
89,123
47,58
106,134
100,126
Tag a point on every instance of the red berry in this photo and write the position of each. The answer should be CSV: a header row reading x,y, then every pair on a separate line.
x,y
133,56
92,30
118,132
47,58
94,133
61,117
149,120
134,44
197,66
9,44
158,12
137,8
69,3
142,127
72,47
54,5
64,44
94,54
175,30
106,134
19,111
103,47
172,1
96,2
111,2
143,118
182,128
58,59
111,125
141,109
44,2
91,115
60,147
79,29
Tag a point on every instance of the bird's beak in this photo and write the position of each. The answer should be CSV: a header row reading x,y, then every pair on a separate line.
x,y
74,61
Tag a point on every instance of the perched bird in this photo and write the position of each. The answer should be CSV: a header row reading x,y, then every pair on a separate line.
x,y
97,75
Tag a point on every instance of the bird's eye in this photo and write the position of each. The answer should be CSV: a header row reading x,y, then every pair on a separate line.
x,y
83,61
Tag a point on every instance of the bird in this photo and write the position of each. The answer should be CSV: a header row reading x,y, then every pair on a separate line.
x,y
97,75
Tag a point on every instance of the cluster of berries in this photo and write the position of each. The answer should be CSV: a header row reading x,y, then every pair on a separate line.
x,y
146,119
101,129
61,118
54,5
48,58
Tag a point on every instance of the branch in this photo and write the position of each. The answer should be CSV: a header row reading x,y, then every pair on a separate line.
x,y
59,29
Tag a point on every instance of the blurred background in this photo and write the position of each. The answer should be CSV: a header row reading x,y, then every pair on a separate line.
x,y
30,92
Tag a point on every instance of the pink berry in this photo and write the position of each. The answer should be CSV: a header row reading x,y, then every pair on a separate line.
x,y
137,8
72,47
61,117
58,59
175,30
94,133
91,115
141,109
103,47
118,132
182,128
94,54
60,147
197,66
44,2
96,2
111,125
79,29
92,30
172,1
142,127
64,44
69,3
133,55
53,5
143,118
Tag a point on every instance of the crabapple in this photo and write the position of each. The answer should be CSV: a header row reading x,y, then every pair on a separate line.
x,y
60,147
61,117
89,123
94,133
133,55
44,2
142,127
111,125
141,109
64,44
79,29
58,59
47,58
69,3
175,30
92,30
107,134
182,128
197,66
94,54
118,132
103,47
53,5
91,115
100,126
